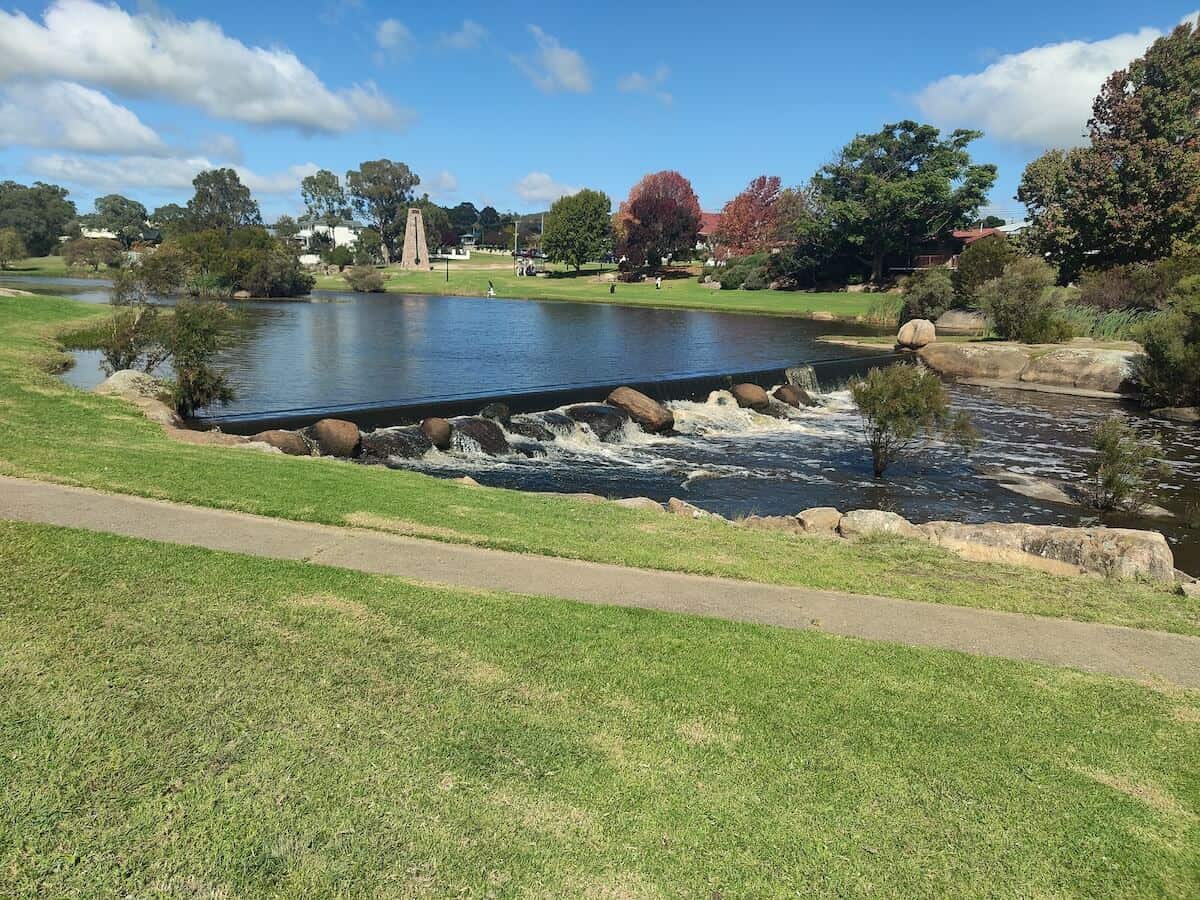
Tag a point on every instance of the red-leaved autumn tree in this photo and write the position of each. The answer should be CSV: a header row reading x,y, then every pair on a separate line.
x,y
660,219
750,221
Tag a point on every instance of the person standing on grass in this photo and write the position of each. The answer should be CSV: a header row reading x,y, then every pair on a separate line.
x,y
658,283
491,289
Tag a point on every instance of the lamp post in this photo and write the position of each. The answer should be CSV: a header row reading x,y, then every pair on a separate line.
x,y
447,270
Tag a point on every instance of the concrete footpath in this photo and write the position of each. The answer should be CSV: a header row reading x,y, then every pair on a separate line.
x,y
1108,649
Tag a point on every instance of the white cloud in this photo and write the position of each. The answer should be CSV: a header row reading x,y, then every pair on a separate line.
x,y
222,146
1038,98
637,83
128,173
538,187
443,184
67,116
554,67
194,63
468,37
394,40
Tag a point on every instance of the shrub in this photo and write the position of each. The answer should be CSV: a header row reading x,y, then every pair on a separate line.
x,y
1169,370
1114,325
903,407
12,247
1024,305
1135,286
736,272
982,261
193,338
756,280
338,256
927,294
1123,471
92,252
885,309
364,279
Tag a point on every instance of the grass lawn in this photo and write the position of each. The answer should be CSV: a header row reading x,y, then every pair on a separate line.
x,y
50,267
54,432
177,722
471,277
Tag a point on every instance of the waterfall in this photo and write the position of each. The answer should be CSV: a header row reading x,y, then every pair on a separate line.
x,y
805,378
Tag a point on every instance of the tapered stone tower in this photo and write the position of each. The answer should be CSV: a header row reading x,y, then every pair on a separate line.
x,y
416,253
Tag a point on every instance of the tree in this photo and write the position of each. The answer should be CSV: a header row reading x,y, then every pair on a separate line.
x,y
578,228
381,192
982,261
1124,469
92,252
1135,188
12,247
750,221
172,220
324,199
660,219
286,228
902,408
193,338
222,202
892,190
124,217
464,217
40,214
1169,369
1023,304
368,249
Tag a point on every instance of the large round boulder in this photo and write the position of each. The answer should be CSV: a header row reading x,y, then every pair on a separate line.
x,y
290,442
408,442
438,431
606,422
915,334
498,412
646,411
528,426
750,396
484,432
793,396
336,437
560,423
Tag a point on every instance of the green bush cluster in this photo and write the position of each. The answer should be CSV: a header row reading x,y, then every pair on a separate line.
x,y
927,294
364,279
746,272
1169,370
1024,304
978,264
1144,286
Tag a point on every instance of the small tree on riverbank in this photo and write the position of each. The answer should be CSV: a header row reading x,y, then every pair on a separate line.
x,y
578,228
12,247
1123,471
1024,305
903,407
193,338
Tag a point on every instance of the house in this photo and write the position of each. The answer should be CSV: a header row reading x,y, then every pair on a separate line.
x,y
342,235
947,251
709,223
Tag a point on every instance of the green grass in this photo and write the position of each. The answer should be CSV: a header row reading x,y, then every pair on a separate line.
x,y
182,723
54,432
470,278
50,267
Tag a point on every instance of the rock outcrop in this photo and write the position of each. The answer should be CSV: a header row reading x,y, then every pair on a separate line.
x,y
774,523
651,415
1189,415
1000,362
750,396
819,519
640,503
683,508
863,522
1111,552
336,437
961,321
915,334
407,442
607,422
147,393
1089,369
793,396
290,442
484,432
529,427
498,412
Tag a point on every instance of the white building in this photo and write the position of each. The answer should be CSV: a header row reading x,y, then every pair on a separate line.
x,y
344,235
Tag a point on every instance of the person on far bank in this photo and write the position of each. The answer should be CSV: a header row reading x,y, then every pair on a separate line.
x,y
658,283
491,289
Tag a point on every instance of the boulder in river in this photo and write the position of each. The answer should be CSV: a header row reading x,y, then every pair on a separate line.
x,y
528,449
750,396
336,437
498,412
915,334
607,422
290,442
1189,415
407,442
560,423
530,427
484,432
438,431
999,362
793,396
1084,368
646,411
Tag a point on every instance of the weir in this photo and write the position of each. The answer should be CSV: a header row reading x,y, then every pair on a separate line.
x,y
824,375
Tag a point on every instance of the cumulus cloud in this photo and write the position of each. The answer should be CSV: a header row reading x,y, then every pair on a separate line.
x,y
553,67
468,37
222,146
637,83
1041,97
67,116
443,184
538,187
126,173
394,41
194,63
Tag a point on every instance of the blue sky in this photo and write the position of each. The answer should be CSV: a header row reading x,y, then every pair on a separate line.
x,y
514,106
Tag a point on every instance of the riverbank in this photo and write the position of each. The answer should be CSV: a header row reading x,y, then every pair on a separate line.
x,y
54,432
335,732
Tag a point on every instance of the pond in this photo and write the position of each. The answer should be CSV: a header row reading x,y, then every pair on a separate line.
x,y
348,349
